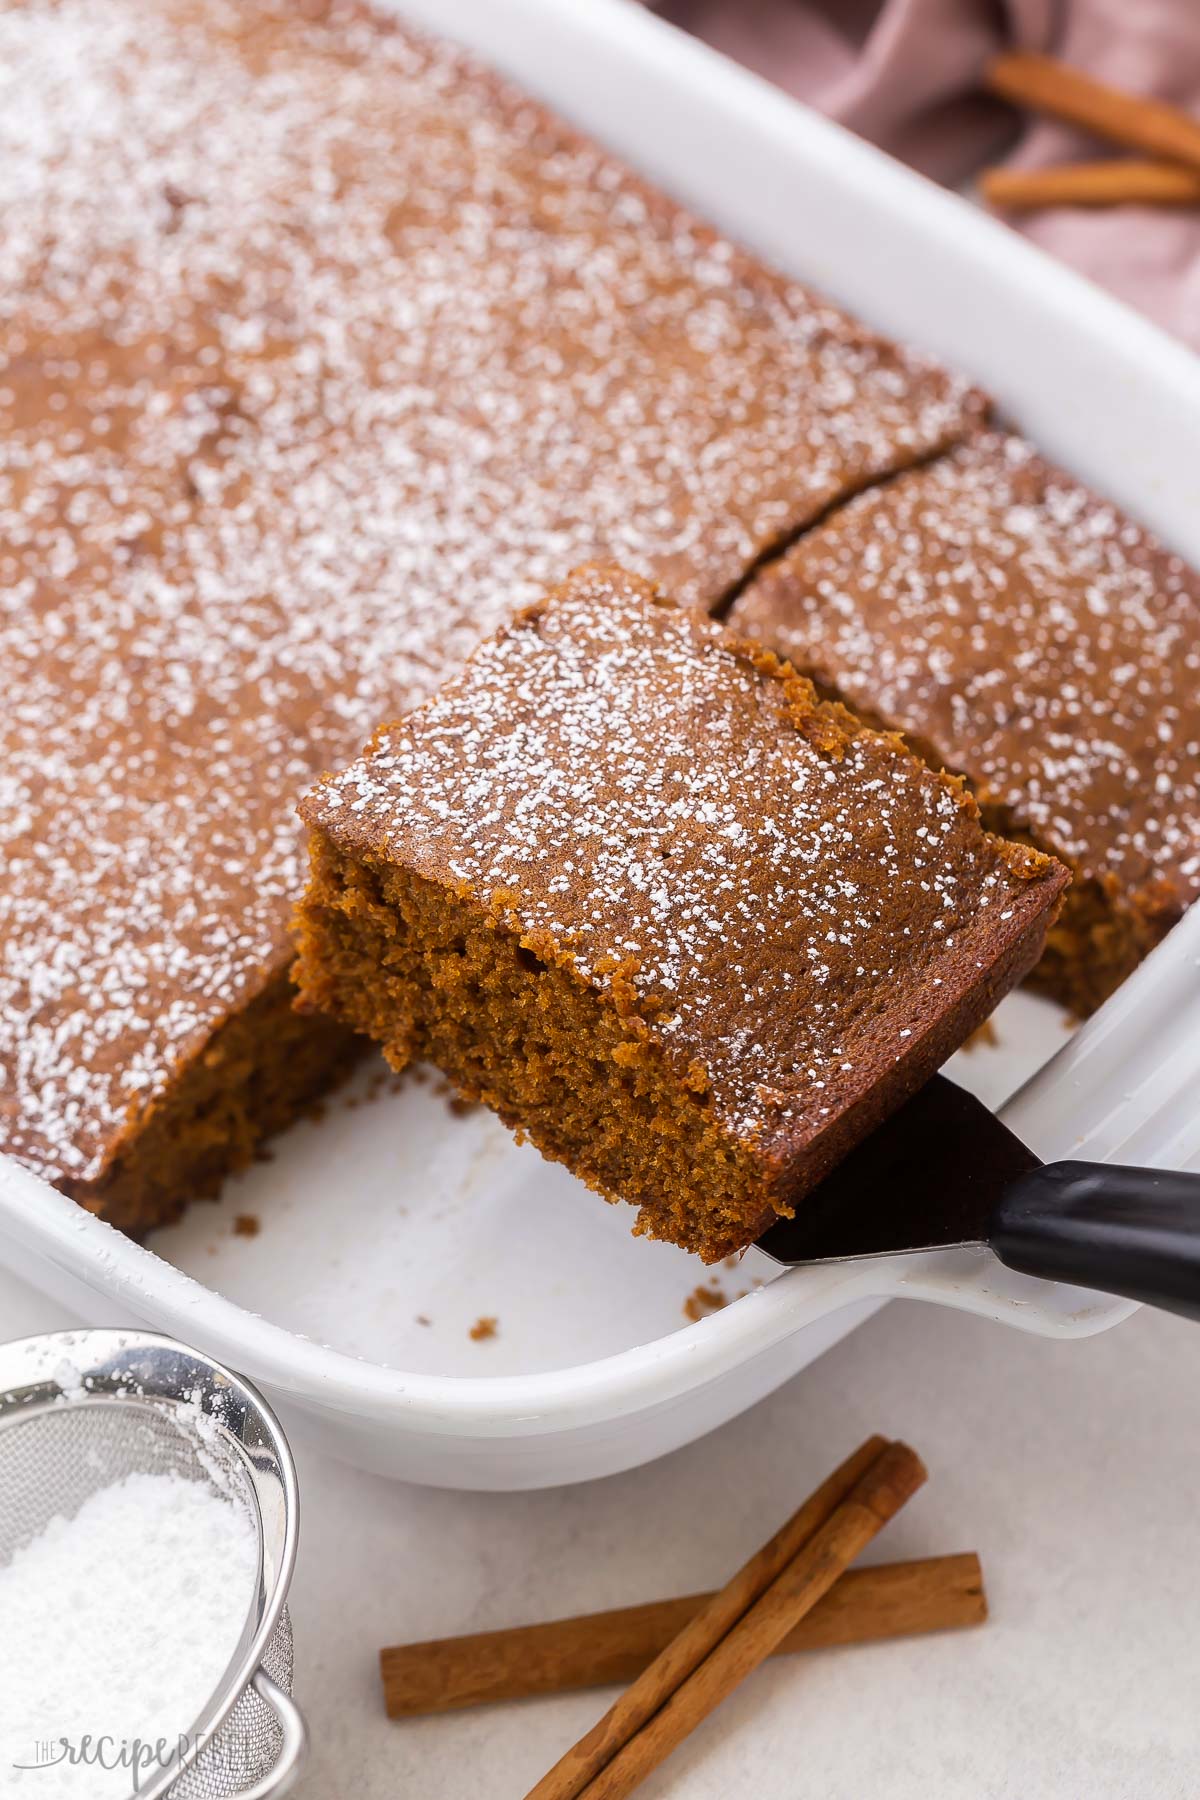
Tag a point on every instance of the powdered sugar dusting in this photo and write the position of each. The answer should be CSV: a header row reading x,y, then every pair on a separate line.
x,y
319,350
1040,641
786,898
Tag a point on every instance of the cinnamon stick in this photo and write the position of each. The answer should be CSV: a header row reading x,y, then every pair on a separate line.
x,y
686,1652
612,1759
1042,84
1123,181
902,1599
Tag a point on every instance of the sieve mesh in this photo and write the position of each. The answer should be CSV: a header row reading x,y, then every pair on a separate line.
x,y
52,1461
247,1747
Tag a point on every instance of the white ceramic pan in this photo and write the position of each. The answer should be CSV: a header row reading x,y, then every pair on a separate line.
x,y
391,1228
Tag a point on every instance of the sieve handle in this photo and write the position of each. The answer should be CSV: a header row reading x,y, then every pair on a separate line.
x,y
282,1777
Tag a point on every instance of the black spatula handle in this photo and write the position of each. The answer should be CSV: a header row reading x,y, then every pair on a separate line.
x,y
1134,1232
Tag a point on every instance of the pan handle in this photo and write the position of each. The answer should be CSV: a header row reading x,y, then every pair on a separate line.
x,y
1134,1232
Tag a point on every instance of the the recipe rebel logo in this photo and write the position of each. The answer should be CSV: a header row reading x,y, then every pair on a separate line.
x,y
101,1751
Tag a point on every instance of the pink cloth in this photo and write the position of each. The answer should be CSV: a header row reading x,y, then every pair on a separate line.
x,y
905,73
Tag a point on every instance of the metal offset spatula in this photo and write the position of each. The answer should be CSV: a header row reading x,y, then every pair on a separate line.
x,y
943,1171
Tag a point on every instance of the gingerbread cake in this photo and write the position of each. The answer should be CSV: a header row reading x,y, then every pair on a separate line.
x,y
691,929
321,349
1029,636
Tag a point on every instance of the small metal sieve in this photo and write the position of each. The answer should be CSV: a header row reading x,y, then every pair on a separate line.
x,y
81,1409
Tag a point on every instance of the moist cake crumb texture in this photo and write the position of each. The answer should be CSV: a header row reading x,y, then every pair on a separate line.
x,y
1029,635
320,350
785,919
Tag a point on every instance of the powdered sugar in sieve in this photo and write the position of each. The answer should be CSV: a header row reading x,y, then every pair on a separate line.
x,y
147,1536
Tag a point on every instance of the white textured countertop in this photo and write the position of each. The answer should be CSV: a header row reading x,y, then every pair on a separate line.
x,y
1073,1470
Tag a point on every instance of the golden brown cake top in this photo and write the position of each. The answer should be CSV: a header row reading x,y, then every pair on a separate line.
x,y
784,897
1030,634
320,348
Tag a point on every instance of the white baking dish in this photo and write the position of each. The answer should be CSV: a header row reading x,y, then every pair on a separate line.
x,y
397,1209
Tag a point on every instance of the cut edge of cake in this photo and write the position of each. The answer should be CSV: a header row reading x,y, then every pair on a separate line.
x,y
257,1073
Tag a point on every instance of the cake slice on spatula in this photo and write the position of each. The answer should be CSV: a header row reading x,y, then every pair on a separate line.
x,y
689,928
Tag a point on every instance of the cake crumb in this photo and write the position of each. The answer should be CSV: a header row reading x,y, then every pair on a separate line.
x,y
247,1225
703,1300
382,1081
484,1327
984,1036
422,1319
456,1103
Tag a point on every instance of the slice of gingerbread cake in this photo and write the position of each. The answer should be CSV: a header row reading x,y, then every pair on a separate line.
x,y
321,349
1029,636
691,929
